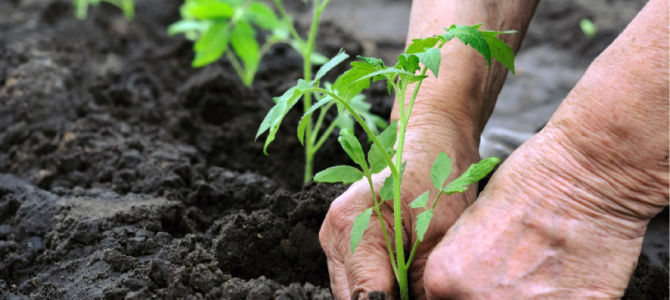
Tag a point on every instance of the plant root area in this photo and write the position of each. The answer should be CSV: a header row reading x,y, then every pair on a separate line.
x,y
127,174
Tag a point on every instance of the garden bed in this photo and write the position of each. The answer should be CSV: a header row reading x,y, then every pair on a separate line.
x,y
127,174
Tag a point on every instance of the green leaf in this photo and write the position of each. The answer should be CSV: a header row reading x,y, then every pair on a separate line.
x,y
420,45
469,35
440,170
391,71
473,174
431,59
352,146
360,225
337,59
262,15
318,59
348,85
306,118
422,222
501,52
343,174
345,121
373,61
211,45
208,10
420,201
283,106
387,138
409,63
588,27
183,26
243,40
386,192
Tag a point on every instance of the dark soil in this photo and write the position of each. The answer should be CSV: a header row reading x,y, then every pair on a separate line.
x,y
127,174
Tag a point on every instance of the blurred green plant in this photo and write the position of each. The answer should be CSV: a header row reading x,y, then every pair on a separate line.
x,y
230,28
588,27
81,7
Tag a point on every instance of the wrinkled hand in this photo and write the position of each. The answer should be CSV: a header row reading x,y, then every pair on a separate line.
x,y
369,268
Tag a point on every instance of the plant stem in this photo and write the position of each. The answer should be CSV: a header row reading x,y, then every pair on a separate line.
x,y
397,201
389,247
238,68
324,137
368,131
416,243
307,76
319,121
288,21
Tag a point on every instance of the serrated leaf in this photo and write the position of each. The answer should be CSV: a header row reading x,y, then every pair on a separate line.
x,y
283,106
387,138
348,85
440,170
431,59
469,35
409,62
360,225
306,118
211,45
353,147
243,41
386,192
343,174
337,59
262,15
388,71
373,61
420,201
422,222
473,174
274,119
420,45
501,52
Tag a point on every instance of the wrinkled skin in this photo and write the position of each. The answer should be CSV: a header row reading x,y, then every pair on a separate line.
x,y
577,196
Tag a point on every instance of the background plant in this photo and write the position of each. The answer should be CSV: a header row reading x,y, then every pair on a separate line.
x,y
81,7
424,52
219,26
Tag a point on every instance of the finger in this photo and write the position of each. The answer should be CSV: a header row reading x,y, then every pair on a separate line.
x,y
369,267
338,278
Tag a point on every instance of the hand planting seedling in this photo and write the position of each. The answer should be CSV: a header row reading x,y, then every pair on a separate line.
x,y
127,6
390,142
219,25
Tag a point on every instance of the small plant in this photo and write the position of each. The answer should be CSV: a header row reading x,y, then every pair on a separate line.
x,y
424,51
127,6
219,25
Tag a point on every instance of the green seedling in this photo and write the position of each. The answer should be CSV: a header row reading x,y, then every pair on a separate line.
x,y
588,27
127,6
229,27
421,56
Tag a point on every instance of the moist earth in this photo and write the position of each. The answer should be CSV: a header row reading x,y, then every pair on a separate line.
x,y
127,174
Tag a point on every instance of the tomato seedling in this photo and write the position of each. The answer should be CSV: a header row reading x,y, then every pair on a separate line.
x,y
219,26
81,7
390,142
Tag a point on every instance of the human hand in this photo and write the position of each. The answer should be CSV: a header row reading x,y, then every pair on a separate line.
x,y
369,268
